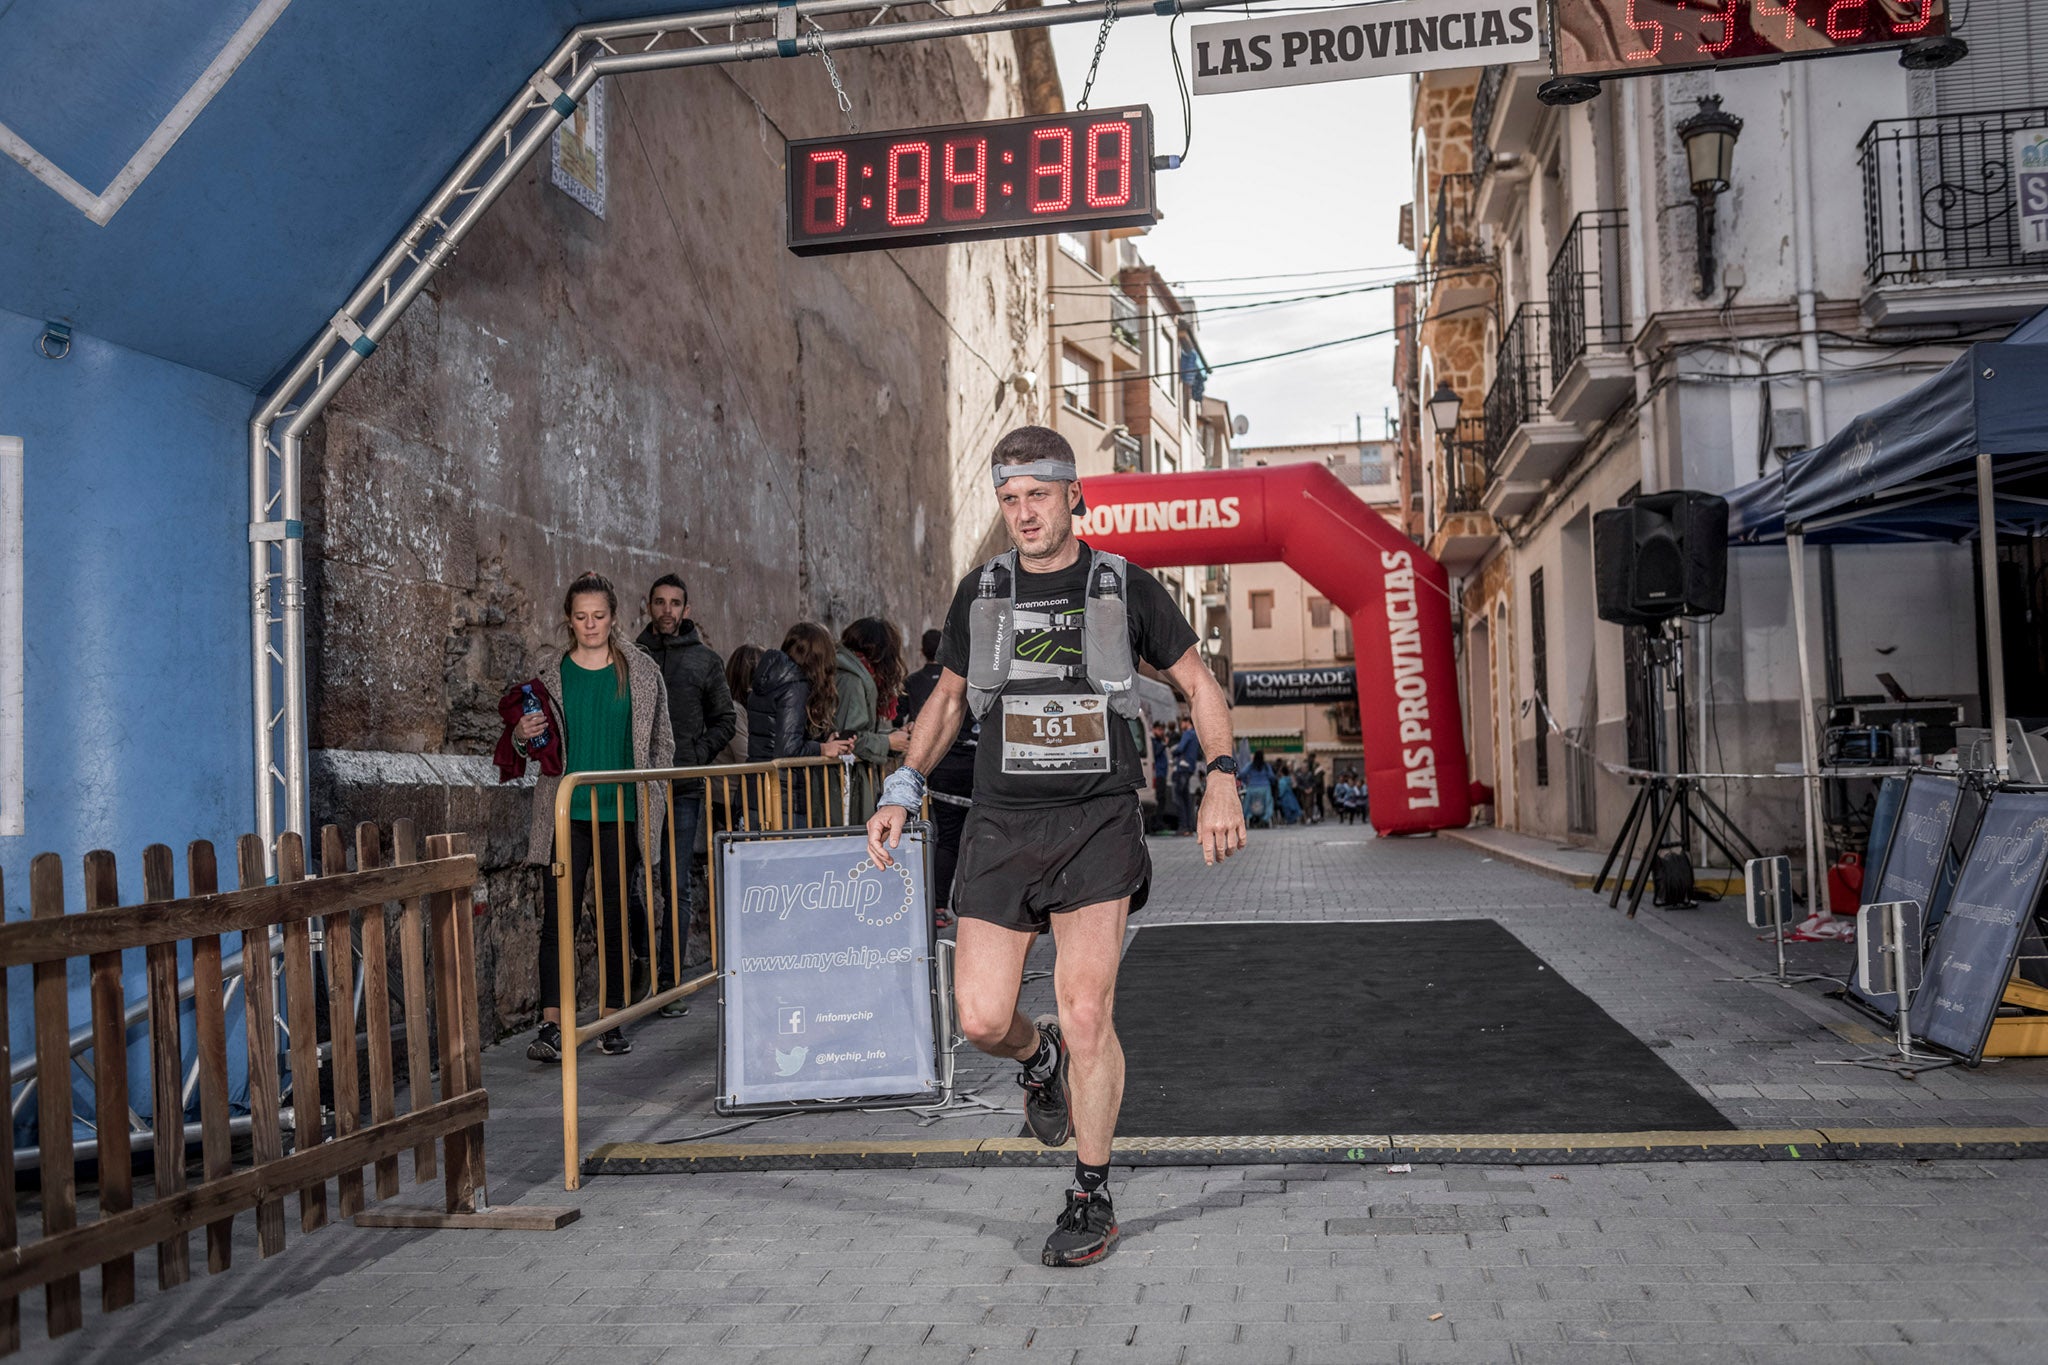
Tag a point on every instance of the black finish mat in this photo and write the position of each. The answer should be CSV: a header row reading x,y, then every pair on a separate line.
x,y
1435,1026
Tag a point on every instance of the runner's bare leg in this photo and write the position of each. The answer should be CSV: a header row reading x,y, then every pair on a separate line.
x,y
1091,945
988,971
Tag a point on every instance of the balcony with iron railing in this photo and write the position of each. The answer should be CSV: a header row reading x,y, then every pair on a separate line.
x,y
1454,241
1525,446
1126,319
1941,218
1590,366
1461,531
1127,451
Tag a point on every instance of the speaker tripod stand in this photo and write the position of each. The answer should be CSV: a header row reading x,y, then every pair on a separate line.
x,y
1663,800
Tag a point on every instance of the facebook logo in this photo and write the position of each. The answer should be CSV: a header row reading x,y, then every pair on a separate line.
x,y
789,1019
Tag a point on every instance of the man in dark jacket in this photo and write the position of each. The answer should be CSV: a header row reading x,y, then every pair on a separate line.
x,y
918,686
701,713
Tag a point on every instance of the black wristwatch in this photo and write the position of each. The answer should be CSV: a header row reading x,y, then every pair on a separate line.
x,y
1223,763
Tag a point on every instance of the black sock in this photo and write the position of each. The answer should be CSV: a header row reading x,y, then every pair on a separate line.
x,y
1040,1063
1088,1179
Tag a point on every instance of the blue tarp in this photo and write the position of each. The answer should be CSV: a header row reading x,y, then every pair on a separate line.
x,y
1905,470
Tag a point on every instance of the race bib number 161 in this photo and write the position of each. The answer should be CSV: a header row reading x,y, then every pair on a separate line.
x,y
1056,734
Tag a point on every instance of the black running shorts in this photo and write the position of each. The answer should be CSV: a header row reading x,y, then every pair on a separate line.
x,y
1019,868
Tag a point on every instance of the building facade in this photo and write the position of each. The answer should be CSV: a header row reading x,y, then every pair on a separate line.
x,y
1130,392
1601,346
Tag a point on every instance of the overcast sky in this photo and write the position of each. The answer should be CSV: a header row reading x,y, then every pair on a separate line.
x,y
1305,179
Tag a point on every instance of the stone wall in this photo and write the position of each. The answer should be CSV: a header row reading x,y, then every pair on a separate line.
x,y
662,389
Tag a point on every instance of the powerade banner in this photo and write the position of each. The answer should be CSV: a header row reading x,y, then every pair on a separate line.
x,y
827,972
1915,858
1266,687
1994,903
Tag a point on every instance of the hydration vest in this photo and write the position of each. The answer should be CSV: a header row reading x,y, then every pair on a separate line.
x,y
1107,660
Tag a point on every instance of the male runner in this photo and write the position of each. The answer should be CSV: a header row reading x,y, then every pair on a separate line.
x,y
1043,642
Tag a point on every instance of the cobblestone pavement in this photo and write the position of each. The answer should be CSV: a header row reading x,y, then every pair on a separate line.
x,y
1710,1262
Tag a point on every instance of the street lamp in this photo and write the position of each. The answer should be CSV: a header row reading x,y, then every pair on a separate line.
x,y
1709,137
1443,409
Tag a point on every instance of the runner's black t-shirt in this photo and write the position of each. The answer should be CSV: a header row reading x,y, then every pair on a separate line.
x,y
1011,770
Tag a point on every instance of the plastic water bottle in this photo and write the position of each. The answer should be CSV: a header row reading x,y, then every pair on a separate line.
x,y
530,705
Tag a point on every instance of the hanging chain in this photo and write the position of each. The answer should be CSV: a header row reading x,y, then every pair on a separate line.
x,y
1101,41
845,100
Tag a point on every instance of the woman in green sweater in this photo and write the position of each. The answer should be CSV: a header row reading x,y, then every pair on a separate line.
x,y
614,709
870,663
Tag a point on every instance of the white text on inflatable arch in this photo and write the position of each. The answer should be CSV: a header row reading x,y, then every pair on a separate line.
x,y
1411,683
1144,518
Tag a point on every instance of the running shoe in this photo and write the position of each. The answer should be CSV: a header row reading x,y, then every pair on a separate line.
x,y
546,1045
1046,1111
1085,1230
615,1043
674,1009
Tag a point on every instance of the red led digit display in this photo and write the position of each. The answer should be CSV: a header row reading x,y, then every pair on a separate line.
x,y
1008,178
1625,37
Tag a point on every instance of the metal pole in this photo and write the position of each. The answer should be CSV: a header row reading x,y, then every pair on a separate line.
x,y
1994,627
1809,787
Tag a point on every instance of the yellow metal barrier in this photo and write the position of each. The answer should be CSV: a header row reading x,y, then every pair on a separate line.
x,y
755,797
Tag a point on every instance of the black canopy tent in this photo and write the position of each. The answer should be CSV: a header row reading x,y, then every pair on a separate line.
x,y
1963,455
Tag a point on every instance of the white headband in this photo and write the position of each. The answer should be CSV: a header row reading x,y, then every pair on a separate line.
x,y
1063,470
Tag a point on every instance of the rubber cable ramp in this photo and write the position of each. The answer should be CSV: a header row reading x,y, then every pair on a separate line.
x,y
1480,1149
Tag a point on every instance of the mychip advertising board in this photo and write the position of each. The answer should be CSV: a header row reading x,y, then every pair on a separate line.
x,y
828,985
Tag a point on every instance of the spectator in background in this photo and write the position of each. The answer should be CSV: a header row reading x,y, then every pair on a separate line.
x,y
1311,791
792,706
950,783
870,661
614,710
1162,807
1258,791
1285,796
919,685
701,716
1187,763
739,680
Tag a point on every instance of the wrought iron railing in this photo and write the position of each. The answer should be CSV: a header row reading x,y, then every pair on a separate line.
x,y
1484,101
1940,198
1588,289
1463,471
1453,233
1129,452
1126,319
1521,382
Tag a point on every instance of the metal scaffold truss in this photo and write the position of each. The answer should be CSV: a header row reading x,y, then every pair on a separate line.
x,y
588,54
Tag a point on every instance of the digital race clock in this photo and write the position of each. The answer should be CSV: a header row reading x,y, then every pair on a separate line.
x,y
1627,37
1010,178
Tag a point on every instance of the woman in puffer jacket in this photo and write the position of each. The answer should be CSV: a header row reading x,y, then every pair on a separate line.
x,y
792,708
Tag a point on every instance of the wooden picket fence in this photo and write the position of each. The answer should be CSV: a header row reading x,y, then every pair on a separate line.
x,y
437,1002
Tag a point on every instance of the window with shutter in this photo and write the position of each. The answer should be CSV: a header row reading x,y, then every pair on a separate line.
x,y
2005,69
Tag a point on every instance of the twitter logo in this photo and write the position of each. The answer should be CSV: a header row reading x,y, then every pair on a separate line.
x,y
790,1062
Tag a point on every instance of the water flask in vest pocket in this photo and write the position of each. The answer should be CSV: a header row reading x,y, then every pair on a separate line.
x,y
988,639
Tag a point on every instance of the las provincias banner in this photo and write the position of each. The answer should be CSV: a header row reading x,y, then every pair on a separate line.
x,y
827,972
1393,39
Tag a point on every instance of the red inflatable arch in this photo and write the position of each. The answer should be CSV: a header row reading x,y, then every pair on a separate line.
x,y
1398,599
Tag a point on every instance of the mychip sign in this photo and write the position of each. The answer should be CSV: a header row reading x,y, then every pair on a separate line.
x,y
1391,39
828,972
